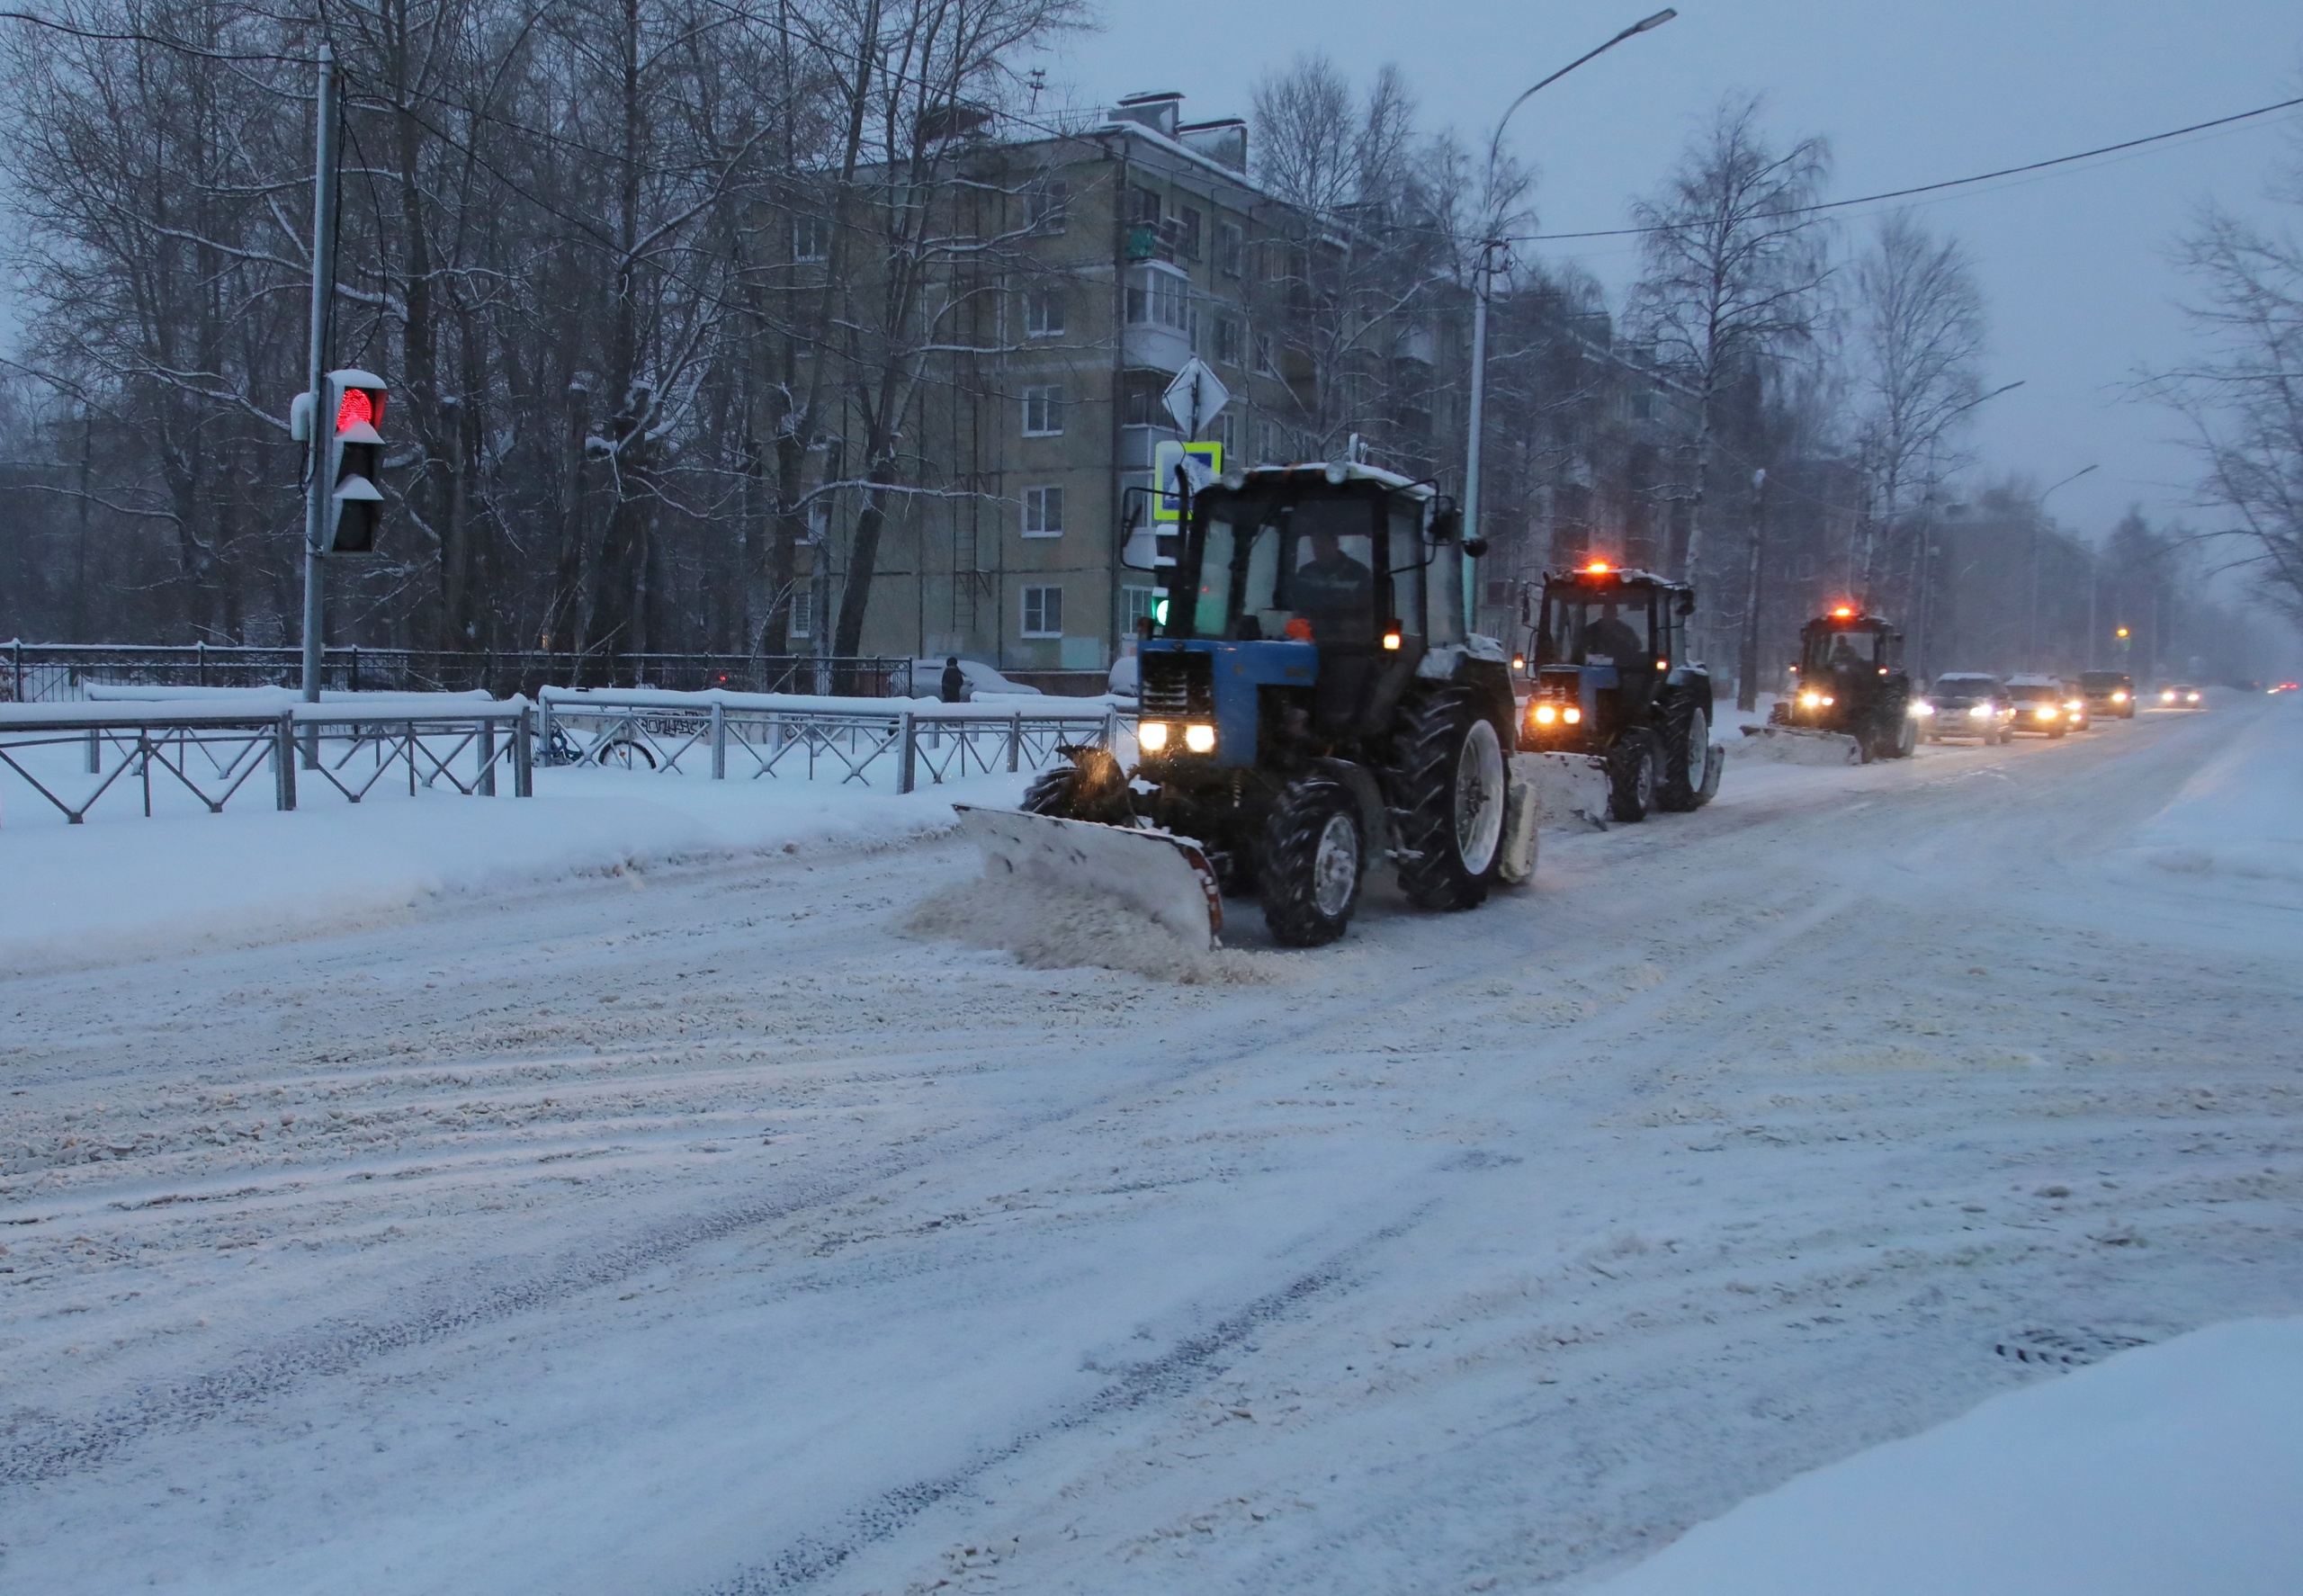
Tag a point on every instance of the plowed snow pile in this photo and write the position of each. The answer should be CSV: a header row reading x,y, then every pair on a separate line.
x,y
1047,928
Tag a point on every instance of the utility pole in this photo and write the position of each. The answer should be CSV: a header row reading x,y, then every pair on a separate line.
x,y
1747,662
316,487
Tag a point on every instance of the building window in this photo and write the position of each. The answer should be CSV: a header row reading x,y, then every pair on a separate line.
x,y
1227,339
802,620
1043,612
1048,205
1136,604
1044,411
1042,512
1187,230
1158,299
810,237
1142,205
1044,311
1642,405
1270,447
1220,429
1230,248
1267,363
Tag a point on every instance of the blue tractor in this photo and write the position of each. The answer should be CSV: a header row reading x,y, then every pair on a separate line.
x,y
1311,702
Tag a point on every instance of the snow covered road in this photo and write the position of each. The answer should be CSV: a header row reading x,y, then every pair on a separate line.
x,y
701,1233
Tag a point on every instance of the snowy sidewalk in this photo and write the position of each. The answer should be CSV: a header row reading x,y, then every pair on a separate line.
x,y
104,891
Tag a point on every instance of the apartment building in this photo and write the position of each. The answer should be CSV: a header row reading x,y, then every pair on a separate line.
x,y
1110,256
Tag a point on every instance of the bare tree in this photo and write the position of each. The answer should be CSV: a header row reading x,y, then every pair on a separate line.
x,y
1919,334
1734,263
2243,392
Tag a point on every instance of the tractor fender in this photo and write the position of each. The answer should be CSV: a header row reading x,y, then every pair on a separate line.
x,y
1374,814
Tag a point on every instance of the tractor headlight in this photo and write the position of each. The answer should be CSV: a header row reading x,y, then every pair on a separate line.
x,y
1152,736
1544,714
1571,715
1811,700
1200,739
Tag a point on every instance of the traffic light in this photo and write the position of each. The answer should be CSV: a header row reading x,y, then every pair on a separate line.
x,y
352,462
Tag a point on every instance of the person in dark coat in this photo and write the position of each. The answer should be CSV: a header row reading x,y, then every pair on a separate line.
x,y
955,681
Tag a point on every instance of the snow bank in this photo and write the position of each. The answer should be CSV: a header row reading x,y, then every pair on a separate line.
x,y
1050,929
81,893
2241,813
2170,1468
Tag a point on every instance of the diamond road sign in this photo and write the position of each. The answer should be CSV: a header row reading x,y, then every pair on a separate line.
x,y
1195,397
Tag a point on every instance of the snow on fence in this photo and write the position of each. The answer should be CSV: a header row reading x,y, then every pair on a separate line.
x,y
778,735
213,750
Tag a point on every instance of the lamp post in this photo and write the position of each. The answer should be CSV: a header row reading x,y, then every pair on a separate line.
x,y
1483,274
2039,514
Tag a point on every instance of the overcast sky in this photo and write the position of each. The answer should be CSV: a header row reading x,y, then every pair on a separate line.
x,y
2075,264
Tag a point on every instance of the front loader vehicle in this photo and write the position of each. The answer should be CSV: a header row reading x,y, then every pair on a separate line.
x,y
1614,689
1310,701
1851,684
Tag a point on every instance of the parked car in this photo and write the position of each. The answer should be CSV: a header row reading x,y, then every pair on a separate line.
x,y
1967,703
2038,704
2108,692
983,681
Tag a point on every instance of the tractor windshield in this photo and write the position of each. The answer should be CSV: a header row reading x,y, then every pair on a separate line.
x,y
1609,628
1841,650
1264,563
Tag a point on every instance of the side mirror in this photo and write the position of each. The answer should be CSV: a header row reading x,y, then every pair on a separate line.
x,y
1447,520
1687,606
1474,546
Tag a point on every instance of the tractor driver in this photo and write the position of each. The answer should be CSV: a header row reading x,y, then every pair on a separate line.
x,y
1334,591
1843,659
1611,635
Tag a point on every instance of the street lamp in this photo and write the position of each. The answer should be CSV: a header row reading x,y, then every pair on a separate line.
x,y
2039,514
1482,275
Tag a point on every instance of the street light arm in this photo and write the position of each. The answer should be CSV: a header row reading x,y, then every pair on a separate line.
x,y
1495,145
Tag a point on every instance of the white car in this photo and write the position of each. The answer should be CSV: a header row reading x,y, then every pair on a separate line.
x,y
983,681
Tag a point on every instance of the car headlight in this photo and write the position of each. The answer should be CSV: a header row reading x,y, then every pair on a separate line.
x,y
1152,736
2167,699
1920,706
2192,698
1200,739
2046,712
1979,712
2118,698
2075,705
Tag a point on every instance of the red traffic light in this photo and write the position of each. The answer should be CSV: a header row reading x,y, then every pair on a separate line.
x,y
359,408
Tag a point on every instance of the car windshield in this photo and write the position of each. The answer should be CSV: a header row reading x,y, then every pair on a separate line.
x,y
2102,681
2027,691
1965,687
1602,628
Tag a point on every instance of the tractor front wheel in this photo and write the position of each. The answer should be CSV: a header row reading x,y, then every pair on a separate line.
x,y
1447,789
1631,777
1311,864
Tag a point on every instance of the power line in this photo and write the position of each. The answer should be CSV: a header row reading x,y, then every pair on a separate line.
x,y
1929,188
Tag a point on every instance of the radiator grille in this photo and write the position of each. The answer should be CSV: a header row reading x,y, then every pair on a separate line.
x,y
1175,683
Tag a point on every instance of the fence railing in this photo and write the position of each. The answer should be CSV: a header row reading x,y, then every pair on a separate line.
x,y
709,734
50,673
215,752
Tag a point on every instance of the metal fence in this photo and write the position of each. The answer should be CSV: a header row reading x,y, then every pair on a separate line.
x,y
214,753
707,733
50,673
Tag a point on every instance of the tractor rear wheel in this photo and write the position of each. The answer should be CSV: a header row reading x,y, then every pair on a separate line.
x,y
1686,755
1448,792
1631,776
1310,863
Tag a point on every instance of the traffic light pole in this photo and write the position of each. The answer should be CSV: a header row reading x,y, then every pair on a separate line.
x,y
316,486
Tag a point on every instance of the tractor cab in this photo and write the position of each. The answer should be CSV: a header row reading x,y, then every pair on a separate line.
x,y
1607,645
1850,682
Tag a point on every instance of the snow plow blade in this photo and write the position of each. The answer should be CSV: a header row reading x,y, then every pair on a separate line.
x,y
1571,786
1799,745
1161,876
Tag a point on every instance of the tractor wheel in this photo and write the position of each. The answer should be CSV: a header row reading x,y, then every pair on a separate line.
x,y
1090,785
1448,791
1687,756
1311,864
1631,777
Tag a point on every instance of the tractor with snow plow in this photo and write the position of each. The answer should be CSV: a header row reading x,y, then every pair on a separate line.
x,y
1311,702
1616,700
1853,697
